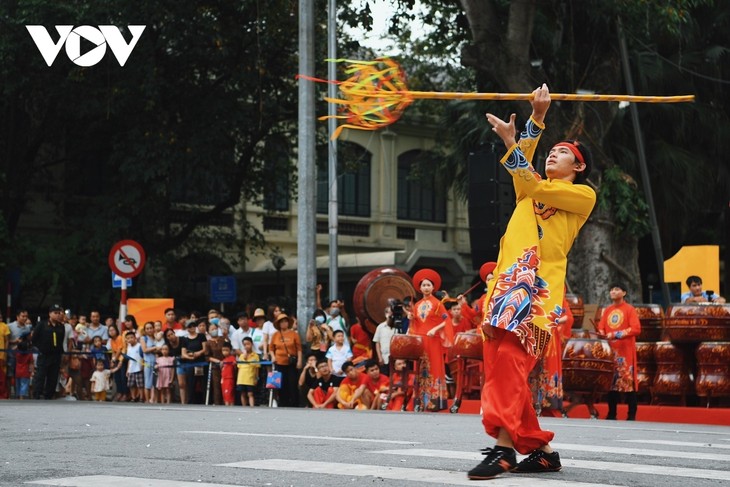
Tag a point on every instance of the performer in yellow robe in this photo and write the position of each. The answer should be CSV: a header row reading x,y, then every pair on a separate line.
x,y
525,299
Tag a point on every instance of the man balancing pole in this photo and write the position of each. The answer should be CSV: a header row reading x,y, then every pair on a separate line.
x,y
525,298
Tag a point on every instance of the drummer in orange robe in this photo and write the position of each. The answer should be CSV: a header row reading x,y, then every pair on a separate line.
x,y
620,325
362,344
429,319
546,379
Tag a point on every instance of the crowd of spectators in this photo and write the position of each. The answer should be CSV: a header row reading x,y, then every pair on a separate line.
x,y
200,358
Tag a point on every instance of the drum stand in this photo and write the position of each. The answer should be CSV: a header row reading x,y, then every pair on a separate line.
x,y
578,398
414,391
466,368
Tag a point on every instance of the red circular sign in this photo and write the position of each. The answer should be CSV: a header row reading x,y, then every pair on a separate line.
x,y
127,258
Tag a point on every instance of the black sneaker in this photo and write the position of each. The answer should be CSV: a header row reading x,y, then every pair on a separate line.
x,y
539,461
498,460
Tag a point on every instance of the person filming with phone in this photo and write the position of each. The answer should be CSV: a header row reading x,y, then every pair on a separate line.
x,y
697,295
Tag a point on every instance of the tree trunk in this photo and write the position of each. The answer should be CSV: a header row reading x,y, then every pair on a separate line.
x,y
601,257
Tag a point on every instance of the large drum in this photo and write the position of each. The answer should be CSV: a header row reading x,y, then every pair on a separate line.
x,y
672,370
575,302
713,369
468,345
699,322
407,347
645,365
588,365
651,317
373,292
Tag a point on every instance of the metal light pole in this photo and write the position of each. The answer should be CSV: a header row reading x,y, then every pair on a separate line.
x,y
332,152
645,181
306,205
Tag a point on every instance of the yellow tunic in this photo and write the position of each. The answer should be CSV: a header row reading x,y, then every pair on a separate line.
x,y
527,295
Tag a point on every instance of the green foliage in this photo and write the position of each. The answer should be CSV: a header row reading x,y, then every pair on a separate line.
x,y
158,150
619,195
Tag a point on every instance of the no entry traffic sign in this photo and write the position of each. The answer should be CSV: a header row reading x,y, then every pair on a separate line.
x,y
126,258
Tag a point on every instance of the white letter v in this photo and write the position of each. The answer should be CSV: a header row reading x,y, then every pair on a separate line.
x,y
45,44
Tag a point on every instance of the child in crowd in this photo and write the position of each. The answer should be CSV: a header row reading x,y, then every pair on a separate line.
x,y
135,377
228,374
82,333
165,366
149,354
65,386
99,351
100,380
23,369
401,388
248,373
159,334
338,354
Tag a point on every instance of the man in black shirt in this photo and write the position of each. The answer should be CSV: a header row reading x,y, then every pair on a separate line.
x,y
323,395
48,337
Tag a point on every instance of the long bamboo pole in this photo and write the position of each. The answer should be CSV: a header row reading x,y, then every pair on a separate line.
x,y
435,95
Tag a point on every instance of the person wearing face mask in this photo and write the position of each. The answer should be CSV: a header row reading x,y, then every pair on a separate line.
x,y
336,321
319,334
215,356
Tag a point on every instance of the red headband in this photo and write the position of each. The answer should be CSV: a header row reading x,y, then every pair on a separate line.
x,y
573,147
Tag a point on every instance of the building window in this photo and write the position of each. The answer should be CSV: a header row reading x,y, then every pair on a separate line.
x,y
419,196
344,228
275,223
405,233
353,181
276,187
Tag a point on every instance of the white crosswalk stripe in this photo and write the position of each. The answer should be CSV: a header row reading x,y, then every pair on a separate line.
x,y
573,456
304,437
690,444
718,457
116,481
587,464
443,477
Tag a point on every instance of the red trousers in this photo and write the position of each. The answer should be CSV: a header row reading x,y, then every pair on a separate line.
x,y
320,396
506,395
228,390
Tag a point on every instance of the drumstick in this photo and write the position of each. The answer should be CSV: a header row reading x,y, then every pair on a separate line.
x,y
471,288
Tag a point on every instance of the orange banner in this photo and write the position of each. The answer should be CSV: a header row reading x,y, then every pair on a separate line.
x,y
145,310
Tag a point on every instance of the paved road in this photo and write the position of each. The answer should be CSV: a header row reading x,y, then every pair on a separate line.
x,y
84,444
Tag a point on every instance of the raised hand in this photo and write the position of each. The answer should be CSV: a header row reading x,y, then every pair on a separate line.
x,y
505,130
540,102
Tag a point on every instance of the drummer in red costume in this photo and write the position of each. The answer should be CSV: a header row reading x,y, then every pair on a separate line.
x,y
525,300
475,315
546,379
620,324
430,320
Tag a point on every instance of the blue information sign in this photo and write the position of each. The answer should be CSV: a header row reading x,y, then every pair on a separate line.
x,y
117,281
222,289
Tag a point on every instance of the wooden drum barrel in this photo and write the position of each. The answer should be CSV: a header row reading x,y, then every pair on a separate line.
x,y
672,371
698,322
575,302
645,365
407,347
713,371
587,365
373,292
651,317
468,345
